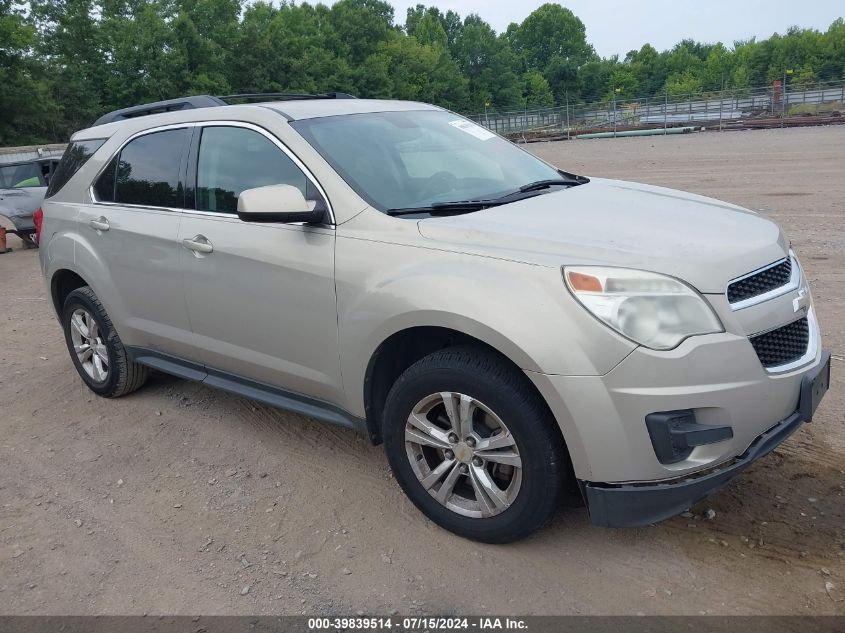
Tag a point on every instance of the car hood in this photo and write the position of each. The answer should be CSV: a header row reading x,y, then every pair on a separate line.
x,y
703,241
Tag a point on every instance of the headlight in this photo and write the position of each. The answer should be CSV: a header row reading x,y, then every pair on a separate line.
x,y
650,309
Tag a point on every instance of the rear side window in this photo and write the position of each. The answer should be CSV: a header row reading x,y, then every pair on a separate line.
x,y
75,156
147,171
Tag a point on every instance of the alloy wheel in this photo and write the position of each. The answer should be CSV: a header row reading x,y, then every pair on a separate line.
x,y
463,454
88,345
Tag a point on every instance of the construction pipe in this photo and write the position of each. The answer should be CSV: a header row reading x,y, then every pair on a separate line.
x,y
651,132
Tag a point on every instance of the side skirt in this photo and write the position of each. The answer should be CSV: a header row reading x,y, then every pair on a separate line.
x,y
261,392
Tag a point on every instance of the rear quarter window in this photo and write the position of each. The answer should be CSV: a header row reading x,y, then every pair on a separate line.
x,y
147,171
75,156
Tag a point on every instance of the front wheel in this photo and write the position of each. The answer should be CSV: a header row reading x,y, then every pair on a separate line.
x,y
473,446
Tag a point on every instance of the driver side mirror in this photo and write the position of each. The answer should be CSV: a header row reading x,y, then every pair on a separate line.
x,y
278,203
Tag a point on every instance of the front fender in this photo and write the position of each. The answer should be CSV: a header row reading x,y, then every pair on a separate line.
x,y
521,310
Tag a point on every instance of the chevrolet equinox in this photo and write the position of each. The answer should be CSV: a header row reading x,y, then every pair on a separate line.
x,y
511,332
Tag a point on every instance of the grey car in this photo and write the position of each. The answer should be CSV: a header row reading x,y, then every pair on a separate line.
x,y
22,189
512,333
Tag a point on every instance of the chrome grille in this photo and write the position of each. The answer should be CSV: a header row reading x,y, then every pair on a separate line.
x,y
759,283
783,345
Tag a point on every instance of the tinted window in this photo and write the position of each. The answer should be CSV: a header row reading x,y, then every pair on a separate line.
x,y
75,156
48,168
104,187
148,170
19,176
233,159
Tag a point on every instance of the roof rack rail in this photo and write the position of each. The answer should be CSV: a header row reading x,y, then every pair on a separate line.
x,y
170,105
208,101
285,96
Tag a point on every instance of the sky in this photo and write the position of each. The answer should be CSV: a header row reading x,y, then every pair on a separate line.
x,y
618,26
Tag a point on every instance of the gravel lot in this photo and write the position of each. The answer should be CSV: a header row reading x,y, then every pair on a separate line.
x,y
182,500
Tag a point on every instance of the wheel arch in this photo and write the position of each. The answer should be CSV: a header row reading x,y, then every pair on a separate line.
x,y
62,282
402,349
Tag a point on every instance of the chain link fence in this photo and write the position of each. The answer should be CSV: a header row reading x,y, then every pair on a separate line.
x,y
770,106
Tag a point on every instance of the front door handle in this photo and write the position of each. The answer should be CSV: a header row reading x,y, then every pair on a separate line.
x,y
100,224
198,244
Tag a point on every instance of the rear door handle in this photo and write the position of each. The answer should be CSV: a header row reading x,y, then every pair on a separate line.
x,y
198,244
100,224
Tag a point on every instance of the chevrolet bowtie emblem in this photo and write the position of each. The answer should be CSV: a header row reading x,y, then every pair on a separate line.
x,y
802,301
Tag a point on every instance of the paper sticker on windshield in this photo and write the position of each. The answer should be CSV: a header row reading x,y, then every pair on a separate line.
x,y
471,128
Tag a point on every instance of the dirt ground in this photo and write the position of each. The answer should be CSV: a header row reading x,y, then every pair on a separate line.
x,y
182,500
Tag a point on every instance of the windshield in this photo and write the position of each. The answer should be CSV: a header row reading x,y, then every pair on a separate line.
x,y
399,160
20,176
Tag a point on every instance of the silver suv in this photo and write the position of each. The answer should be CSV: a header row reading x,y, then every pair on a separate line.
x,y
512,333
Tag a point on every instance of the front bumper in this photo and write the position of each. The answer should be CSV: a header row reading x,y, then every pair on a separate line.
x,y
718,378
639,504
636,505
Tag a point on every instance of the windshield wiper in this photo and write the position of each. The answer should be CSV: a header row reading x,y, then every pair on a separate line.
x,y
545,184
467,206
447,208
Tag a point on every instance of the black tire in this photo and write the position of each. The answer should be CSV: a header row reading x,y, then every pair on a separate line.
x,y
505,390
124,376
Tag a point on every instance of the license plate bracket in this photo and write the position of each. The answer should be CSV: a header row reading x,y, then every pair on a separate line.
x,y
813,387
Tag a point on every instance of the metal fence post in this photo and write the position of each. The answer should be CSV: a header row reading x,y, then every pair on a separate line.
x,y
665,111
614,112
721,104
783,100
524,117
567,115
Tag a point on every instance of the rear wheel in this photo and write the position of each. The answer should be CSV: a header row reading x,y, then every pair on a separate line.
x,y
95,348
473,445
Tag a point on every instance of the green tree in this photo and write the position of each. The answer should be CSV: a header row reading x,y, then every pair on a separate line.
x,y
649,68
490,65
403,68
739,79
204,32
65,62
831,65
717,67
685,83
594,79
70,43
550,31
450,21
360,25
430,31
537,92
25,103
289,49
623,81
143,60
562,76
